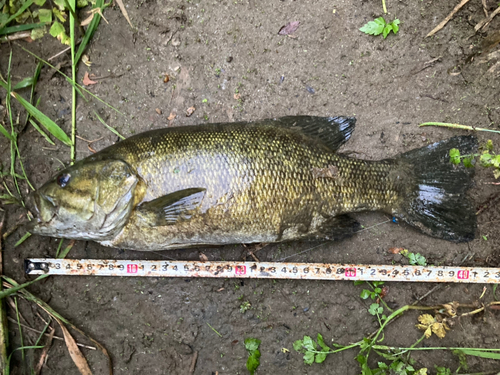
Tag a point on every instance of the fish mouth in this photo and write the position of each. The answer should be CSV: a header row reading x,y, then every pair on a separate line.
x,y
42,207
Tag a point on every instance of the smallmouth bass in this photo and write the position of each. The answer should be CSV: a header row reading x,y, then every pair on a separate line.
x,y
266,181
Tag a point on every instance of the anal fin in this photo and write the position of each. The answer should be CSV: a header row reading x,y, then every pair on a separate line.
x,y
338,228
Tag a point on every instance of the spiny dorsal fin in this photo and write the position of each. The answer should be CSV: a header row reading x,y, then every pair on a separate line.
x,y
332,131
171,208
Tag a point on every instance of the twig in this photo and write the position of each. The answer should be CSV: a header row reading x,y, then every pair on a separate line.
x,y
59,53
458,126
193,363
449,17
491,183
483,23
213,329
16,36
48,334
4,333
485,8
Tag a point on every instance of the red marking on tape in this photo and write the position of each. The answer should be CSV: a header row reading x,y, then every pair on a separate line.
x,y
463,274
350,272
132,268
240,270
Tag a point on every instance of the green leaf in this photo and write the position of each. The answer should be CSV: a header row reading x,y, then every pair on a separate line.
x,y
468,162
309,358
359,282
24,83
38,33
321,343
374,308
309,344
455,156
252,344
365,293
378,290
375,27
60,4
61,16
496,173
383,366
442,370
485,159
320,357
298,345
45,15
82,3
45,121
395,25
378,283
57,31
253,362
489,145
40,2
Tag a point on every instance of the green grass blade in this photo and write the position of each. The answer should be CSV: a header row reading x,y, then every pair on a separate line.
x,y
90,30
6,133
481,353
111,129
15,29
17,287
22,239
65,252
25,6
458,126
35,125
28,81
45,121
72,6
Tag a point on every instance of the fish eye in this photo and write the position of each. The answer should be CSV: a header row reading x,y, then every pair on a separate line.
x,y
63,179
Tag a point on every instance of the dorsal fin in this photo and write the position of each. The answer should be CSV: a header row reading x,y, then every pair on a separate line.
x,y
331,131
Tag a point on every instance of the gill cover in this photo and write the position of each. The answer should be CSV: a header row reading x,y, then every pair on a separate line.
x,y
90,200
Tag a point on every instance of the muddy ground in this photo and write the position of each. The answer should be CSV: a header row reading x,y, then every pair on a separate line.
x,y
212,51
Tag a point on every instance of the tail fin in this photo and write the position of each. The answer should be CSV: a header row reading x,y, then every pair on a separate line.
x,y
438,204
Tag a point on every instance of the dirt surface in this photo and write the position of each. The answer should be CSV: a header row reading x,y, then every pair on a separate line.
x,y
227,60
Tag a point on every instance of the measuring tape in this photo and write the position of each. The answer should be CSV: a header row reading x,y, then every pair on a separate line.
x,y
261,270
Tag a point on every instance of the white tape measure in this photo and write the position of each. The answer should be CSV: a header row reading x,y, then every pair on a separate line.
x,y
261,270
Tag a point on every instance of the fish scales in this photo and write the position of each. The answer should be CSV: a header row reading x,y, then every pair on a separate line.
x,y
269,181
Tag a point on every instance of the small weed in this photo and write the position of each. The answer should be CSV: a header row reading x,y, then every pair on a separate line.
x,y
245,306
487,158
414,259
381,26
253,361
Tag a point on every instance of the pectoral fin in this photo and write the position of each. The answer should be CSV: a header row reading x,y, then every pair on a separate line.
x,y
171,208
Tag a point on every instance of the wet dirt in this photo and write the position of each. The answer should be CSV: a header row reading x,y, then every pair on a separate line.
x,y
226,59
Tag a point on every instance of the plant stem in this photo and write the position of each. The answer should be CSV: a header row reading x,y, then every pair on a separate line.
x,y
72,6
458,126
383,6
4,335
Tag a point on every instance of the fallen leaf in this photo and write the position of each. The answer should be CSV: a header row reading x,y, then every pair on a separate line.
x,y
395,250
158,110
43,356
237,96
430,325
166,79
171,116
124,12
86,60
74,352
289,28
190,111
87,81
87,20
203,257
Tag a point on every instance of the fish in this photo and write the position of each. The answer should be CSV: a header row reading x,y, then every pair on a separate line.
x,y
267,181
